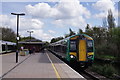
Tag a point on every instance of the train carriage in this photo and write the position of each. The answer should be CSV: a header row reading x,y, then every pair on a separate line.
x,y
7,46
75,49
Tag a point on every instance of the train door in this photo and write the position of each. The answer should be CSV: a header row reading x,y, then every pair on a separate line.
x,y
82,50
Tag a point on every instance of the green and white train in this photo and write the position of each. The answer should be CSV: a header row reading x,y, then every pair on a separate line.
x,y
75,49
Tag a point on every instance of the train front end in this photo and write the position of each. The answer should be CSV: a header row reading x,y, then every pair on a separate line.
x,y
82,50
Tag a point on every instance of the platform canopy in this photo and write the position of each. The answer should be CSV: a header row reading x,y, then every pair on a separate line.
x,y
7,42
31,42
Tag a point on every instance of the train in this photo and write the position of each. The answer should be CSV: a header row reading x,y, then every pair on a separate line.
x,y
7,46
77,49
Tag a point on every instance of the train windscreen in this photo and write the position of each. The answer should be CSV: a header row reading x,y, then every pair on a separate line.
x,y
89,46
72,45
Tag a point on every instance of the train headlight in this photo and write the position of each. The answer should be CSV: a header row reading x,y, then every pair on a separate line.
x,y
71,56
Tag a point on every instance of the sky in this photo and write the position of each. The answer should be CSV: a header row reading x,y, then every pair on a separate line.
x,y
54,18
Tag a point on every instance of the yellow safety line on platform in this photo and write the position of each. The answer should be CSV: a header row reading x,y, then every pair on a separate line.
x,y
57,74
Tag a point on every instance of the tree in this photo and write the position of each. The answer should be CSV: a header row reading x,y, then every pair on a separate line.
x,y
52,40
116,39
80,31
56,39
27,39
110,19
104,22
87,28
8,34
71,32
66,35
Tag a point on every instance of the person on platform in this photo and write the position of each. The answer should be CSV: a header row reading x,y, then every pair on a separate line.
x,y
30,51
33,50
22,48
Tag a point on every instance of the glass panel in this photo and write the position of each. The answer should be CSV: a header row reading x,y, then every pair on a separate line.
x,y
89,46
73,45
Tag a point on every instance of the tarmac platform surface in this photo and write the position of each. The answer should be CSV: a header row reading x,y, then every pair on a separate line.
x,y
40,65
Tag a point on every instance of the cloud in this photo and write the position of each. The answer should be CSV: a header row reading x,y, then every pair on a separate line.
x,y
51,31
87,4
71,9
4,20
64,13
103,6
41,10
26,24
39,34
76,22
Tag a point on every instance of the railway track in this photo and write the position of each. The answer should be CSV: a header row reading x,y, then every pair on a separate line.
x,y
85,73
88,76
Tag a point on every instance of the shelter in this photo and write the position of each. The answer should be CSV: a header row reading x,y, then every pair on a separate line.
x,y
30,45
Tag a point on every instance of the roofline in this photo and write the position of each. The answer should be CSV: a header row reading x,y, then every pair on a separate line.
x,y
71,37
31,42
7,42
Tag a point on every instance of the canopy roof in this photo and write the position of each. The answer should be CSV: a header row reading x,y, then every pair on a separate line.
x,y
7,42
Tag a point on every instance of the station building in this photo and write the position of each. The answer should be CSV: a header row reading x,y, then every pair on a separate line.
x,y
30,45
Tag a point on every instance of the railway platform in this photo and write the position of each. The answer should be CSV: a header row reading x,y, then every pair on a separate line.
x,y
8,62
40,65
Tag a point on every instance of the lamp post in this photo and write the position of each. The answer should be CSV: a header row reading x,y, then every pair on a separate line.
x,y
30,34
20,14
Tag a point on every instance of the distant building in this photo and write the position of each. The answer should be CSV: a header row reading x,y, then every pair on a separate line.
x,y
33,40
30,45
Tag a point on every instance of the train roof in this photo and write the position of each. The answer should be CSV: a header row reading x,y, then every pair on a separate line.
x,y
88,37
7,42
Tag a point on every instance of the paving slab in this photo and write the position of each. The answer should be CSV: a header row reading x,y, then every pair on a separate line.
x,y
33,68
43,65
63,69
9,61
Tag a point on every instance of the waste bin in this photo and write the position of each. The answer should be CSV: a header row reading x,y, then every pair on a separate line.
x,y
24,52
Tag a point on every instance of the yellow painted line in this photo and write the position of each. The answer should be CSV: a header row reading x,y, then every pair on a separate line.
x,y
6,54
56,72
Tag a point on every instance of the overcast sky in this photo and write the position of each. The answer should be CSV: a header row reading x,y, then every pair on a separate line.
x,y
54,18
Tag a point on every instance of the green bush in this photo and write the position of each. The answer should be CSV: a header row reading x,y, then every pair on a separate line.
x,y
105,70
108,70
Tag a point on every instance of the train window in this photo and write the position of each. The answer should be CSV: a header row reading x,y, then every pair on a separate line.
x,y
90,46
3,47
73,45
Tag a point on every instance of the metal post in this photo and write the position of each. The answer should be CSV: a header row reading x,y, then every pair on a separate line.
x,y
17,38
17,34
30,34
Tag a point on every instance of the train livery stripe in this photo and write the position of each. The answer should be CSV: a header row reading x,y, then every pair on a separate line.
x,y
82,50
90,53
73,53
89,38
75,37
56,72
